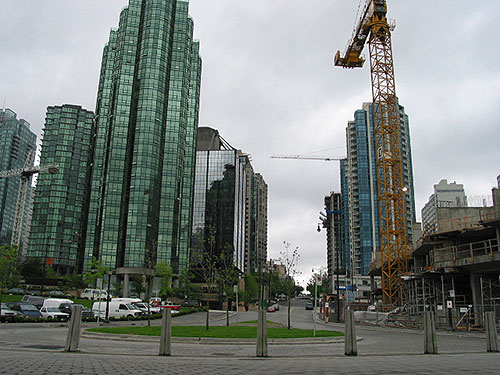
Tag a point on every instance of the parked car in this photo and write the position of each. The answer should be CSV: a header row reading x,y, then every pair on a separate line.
x,y
69,307
143,306
53,313
34,300
309,305
56,293
271,308
26,310
7,314
94,294
276,306
16,291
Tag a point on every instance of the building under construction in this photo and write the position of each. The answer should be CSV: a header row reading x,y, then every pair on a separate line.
x,y
456,268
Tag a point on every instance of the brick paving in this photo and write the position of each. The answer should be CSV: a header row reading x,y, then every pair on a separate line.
x,y
38,349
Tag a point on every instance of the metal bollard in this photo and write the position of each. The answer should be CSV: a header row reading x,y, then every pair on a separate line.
x,y
351,346
262,334
73,338
430,343
491,332
166,333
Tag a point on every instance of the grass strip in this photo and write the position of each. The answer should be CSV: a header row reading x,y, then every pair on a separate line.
x,y
237,332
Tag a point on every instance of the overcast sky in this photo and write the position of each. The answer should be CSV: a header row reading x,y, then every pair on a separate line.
x,y
269,87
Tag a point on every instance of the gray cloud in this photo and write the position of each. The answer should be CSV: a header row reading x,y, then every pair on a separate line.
x,y
269,87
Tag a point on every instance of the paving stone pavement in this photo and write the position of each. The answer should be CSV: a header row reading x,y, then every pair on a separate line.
x,y
38,349
45,363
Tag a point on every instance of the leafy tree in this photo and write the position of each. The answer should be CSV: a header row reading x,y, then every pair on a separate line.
x,y
72,281
290,258
325,286
9,266
33,268
97,271
165,272
137,285
251,292
186,289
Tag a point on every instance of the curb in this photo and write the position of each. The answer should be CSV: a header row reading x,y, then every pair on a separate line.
x,y
210,340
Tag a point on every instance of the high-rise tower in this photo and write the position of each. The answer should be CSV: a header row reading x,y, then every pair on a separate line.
x,y
17,143
146,118
59,208
359,190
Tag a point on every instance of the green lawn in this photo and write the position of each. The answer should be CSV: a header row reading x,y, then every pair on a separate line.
x,y
241,332
11,298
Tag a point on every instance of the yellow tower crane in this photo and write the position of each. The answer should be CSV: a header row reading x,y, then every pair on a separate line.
x,y
373,26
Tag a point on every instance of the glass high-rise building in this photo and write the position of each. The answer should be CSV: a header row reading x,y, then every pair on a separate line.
x,y
17,144
360,223
59,209
221,200
146,119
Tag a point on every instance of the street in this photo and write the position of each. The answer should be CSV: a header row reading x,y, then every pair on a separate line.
x,y
38,348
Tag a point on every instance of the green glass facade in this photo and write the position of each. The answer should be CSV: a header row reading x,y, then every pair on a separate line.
x,y
190,158
146,113
17,141
59,207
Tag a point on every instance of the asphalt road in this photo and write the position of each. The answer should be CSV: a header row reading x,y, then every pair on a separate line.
x,y
38,349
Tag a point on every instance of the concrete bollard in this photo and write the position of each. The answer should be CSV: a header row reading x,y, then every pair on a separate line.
x,y
430,343
166,333
491,332
73,338
351,346
262,334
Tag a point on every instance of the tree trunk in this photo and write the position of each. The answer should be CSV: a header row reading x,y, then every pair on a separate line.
x,y
208,315
227,312
289,305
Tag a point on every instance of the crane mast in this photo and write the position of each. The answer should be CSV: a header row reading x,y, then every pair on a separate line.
x,y
374,27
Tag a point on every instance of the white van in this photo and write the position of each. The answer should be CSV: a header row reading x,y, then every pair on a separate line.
x,y
89,293
117,309
55,302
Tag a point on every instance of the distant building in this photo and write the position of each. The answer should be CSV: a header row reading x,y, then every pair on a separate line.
x,y
256,220
260,251
333,226
496,193
145,135
17,148
360,209
60,203
445,195
230,203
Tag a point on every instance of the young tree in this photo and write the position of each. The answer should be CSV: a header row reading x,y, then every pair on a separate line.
x,y
137,285
97,271
325,286
290,258
165,273
225,276
186,289
9,269
206,266
72,281
251,292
